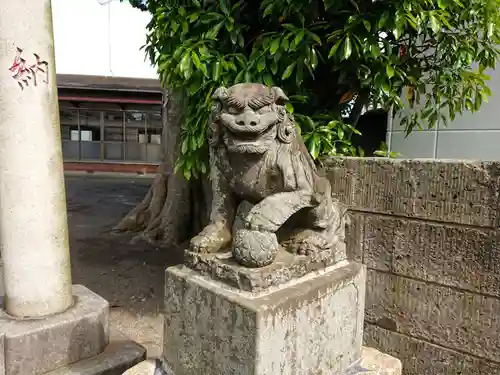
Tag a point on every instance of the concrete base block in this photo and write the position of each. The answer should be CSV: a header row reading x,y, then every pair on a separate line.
x,y
37,346
374,362
311,325
120,355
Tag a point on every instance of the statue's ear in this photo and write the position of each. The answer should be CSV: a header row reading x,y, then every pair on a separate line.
x,y
220,94
279,96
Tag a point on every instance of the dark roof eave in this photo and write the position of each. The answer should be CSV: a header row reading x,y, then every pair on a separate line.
x,y
107,83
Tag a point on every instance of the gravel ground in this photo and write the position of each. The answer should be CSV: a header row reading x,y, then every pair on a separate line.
x,y
129,276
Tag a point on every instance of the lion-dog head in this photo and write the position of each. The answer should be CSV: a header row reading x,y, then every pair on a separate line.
x,y
250,118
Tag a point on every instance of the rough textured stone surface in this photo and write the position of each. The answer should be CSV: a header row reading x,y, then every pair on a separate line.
x,y
52,342
429,232
257,156
120,355
148,367
458,256
312,325
448,191
374,362
33,217
423,358
2,353
455,319
285,268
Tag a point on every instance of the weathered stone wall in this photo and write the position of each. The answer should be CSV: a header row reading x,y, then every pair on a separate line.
x,y
429,233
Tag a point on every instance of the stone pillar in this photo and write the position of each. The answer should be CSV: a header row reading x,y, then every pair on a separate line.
x,y
33,220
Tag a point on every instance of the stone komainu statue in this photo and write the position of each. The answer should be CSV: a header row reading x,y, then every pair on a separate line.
x,y
258,157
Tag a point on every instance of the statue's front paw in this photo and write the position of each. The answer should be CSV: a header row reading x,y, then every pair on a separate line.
x,y
256,222
308,243
252,248
211,240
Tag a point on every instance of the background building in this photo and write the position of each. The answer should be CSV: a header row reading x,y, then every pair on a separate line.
x,y
474,136
109,95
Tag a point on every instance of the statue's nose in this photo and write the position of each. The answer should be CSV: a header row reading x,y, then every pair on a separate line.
x,y
247,120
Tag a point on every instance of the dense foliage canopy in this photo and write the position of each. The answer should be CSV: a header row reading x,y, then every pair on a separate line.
x,y
333,58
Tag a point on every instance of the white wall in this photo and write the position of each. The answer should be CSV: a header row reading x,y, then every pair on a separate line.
x,y
473,136
104,40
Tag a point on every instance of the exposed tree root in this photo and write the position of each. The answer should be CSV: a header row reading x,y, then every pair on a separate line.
x,y
174,209
150,207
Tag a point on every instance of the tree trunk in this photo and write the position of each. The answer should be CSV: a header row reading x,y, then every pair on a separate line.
x,y
174,209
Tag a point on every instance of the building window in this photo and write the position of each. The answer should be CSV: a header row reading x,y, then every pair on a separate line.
x,y
110,133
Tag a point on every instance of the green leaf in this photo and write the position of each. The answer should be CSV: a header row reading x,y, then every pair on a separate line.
x,y
261,64
355,5
198,64
274,67
185,27
300,74
241,40
187,173
435,24
193,17
334,49
212,33
379,80
216,71
491,29
224,7
275,44
314,36
375,50
367,24
285,44
347,48
314,58
313,146
268,10
383,20
289,107
239,78
203,168
289,70
174,26
390,71
340,133
184,146
397,33
296,41
185,65
268,80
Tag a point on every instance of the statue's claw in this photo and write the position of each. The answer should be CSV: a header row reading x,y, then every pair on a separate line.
x,y
212,239
308,242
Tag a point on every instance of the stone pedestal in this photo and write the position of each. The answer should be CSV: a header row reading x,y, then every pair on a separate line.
x,y
311,325
56,341
76,340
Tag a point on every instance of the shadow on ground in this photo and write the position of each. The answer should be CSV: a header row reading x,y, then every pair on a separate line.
x,y
129,276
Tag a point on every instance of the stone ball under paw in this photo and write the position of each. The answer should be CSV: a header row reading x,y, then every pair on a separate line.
x,y
255,249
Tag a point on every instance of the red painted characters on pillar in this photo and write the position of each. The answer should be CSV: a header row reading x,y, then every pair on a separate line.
x,y
24,73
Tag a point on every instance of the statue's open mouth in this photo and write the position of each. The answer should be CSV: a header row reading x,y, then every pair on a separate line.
x,y
244,137
241,138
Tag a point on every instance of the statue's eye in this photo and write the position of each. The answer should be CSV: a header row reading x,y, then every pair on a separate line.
x,y
263,110
233,110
